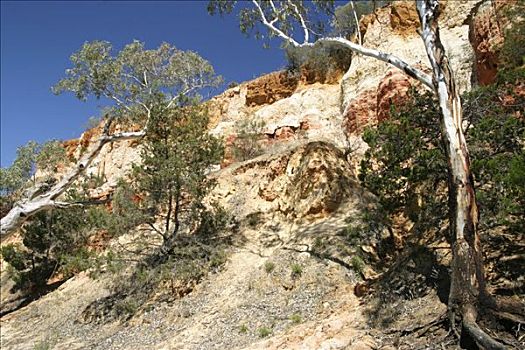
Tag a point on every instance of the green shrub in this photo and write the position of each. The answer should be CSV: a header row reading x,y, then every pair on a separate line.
x,y
295,318
247,143
269,266
264,332
243,329
43,345
357,263
127,307
53,242
297,270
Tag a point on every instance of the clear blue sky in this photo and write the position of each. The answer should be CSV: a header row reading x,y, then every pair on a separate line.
x,y
37,38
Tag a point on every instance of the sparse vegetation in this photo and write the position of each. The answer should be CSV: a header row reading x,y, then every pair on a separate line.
x,y
264,332
247,143
269,266
297,270
296,318
243,329
357,263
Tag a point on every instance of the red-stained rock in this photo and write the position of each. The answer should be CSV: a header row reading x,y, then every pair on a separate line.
x,y
270,88
284,133
373,105
229,156
486,36
391,91
362,111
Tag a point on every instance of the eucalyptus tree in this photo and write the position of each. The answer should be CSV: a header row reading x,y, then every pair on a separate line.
x,y
299,23
132,81
15,179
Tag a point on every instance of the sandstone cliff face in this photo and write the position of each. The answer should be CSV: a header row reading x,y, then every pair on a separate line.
x,y
486,33
303,186
370,86
306,107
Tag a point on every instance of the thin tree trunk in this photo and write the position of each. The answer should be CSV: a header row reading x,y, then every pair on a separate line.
x,y
468,289
358,31
169,243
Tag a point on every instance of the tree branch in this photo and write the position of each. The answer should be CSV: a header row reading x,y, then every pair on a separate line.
x,y
301,19
24,209
271,26
359,38
382,56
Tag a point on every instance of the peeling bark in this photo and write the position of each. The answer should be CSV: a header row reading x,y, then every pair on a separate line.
x,y
468,289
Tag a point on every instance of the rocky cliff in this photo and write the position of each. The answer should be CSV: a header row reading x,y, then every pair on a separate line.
x,y
301,187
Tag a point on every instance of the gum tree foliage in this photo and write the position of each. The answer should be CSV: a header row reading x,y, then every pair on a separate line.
x,y
133,81
20,175
171,180
292,21
32,156
403,164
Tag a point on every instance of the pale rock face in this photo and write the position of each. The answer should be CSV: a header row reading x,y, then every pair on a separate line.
x,y
304,179
317,106
114,161
315,110
394,31
309,181
297,175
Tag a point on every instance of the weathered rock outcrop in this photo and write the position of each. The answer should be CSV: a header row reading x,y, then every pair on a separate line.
x,y
312,112
370,85
308,181
487,35
270,88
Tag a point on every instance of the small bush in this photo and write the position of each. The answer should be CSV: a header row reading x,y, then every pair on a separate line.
x,y
43,345
269,266
127,307
246,145
264,332
295,318
243,329
357,263
297,270
233,84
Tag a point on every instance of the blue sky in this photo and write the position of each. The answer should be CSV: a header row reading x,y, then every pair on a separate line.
x,y
37,38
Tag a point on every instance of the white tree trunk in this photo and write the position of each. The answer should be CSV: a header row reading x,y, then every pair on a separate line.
x,y
27,207
468,289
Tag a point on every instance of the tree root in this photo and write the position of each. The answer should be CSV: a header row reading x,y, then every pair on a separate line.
x,y
481,338
420,329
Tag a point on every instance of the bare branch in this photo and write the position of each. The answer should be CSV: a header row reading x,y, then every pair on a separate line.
x,y
59,204
358,30
301,19
382,56
272,27
134,78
